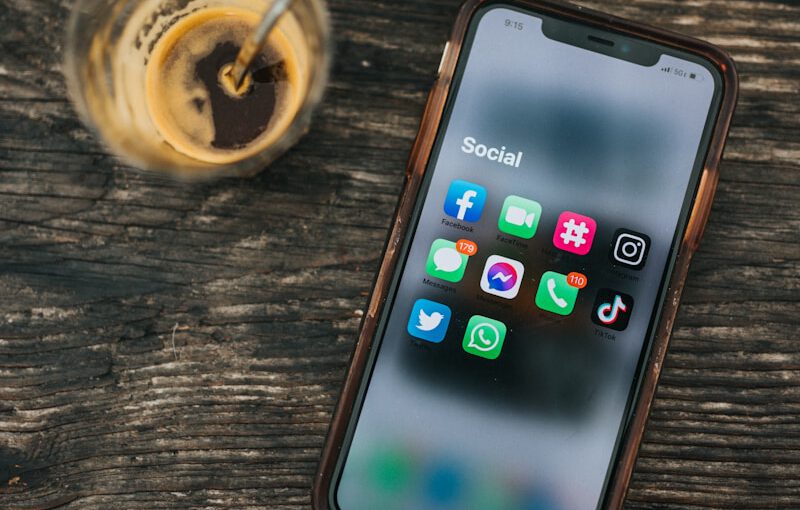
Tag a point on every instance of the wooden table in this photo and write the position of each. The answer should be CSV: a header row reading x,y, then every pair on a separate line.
x,y
172,346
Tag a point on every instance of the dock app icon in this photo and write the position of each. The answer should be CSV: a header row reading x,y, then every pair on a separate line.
x,y
429,320
465,201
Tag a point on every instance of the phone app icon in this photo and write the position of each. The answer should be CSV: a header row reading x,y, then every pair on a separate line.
x,y
484,337
574,233
630,248
502,276
612,309
445,261
465,201
555,294
519,217
429,320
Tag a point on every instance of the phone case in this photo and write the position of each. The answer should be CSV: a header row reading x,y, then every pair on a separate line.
x,y
417,164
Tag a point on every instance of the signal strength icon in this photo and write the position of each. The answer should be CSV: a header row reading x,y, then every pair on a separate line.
x,y
666,69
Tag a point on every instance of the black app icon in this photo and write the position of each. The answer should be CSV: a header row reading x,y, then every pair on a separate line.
x,y
629,248
612,309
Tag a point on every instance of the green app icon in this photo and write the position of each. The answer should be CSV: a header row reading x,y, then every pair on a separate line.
x,y
484,337
445,262
519,217
555,294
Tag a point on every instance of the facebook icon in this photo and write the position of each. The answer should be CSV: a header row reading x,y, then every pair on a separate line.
x,y
465,201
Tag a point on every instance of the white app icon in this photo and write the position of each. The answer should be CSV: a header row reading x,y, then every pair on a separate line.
x,y
502,276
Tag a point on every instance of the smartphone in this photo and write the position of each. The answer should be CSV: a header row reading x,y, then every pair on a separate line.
x,y
559,184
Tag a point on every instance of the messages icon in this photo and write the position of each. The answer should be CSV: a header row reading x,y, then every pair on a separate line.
x,y
445,262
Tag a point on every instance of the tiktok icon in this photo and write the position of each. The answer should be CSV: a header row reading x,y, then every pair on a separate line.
x,y
612,309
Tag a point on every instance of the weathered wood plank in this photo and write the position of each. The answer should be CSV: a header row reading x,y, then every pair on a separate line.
x,y
174,346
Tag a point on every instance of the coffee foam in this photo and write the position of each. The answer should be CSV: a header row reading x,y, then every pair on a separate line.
x,y
187,108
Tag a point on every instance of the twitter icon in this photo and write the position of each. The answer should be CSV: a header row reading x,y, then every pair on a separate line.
x,y
429,320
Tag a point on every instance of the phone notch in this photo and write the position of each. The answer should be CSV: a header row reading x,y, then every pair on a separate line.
x,y
605,42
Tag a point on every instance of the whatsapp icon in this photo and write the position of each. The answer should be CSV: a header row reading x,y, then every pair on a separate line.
x,y
484,337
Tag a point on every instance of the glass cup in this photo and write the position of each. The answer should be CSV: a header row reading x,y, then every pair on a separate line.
x,y
109,44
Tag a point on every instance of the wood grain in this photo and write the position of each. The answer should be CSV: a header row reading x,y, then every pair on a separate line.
x,y
173,346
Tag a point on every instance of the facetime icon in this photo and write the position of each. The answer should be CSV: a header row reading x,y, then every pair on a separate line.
x,y
519,217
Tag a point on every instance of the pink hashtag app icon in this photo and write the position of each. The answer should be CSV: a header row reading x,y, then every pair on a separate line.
x,y
574,233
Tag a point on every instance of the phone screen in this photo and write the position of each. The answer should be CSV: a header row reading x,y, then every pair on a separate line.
x,y
511,346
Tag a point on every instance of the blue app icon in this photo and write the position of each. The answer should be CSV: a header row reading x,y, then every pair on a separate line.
x,y
429,320
444,484
465,201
